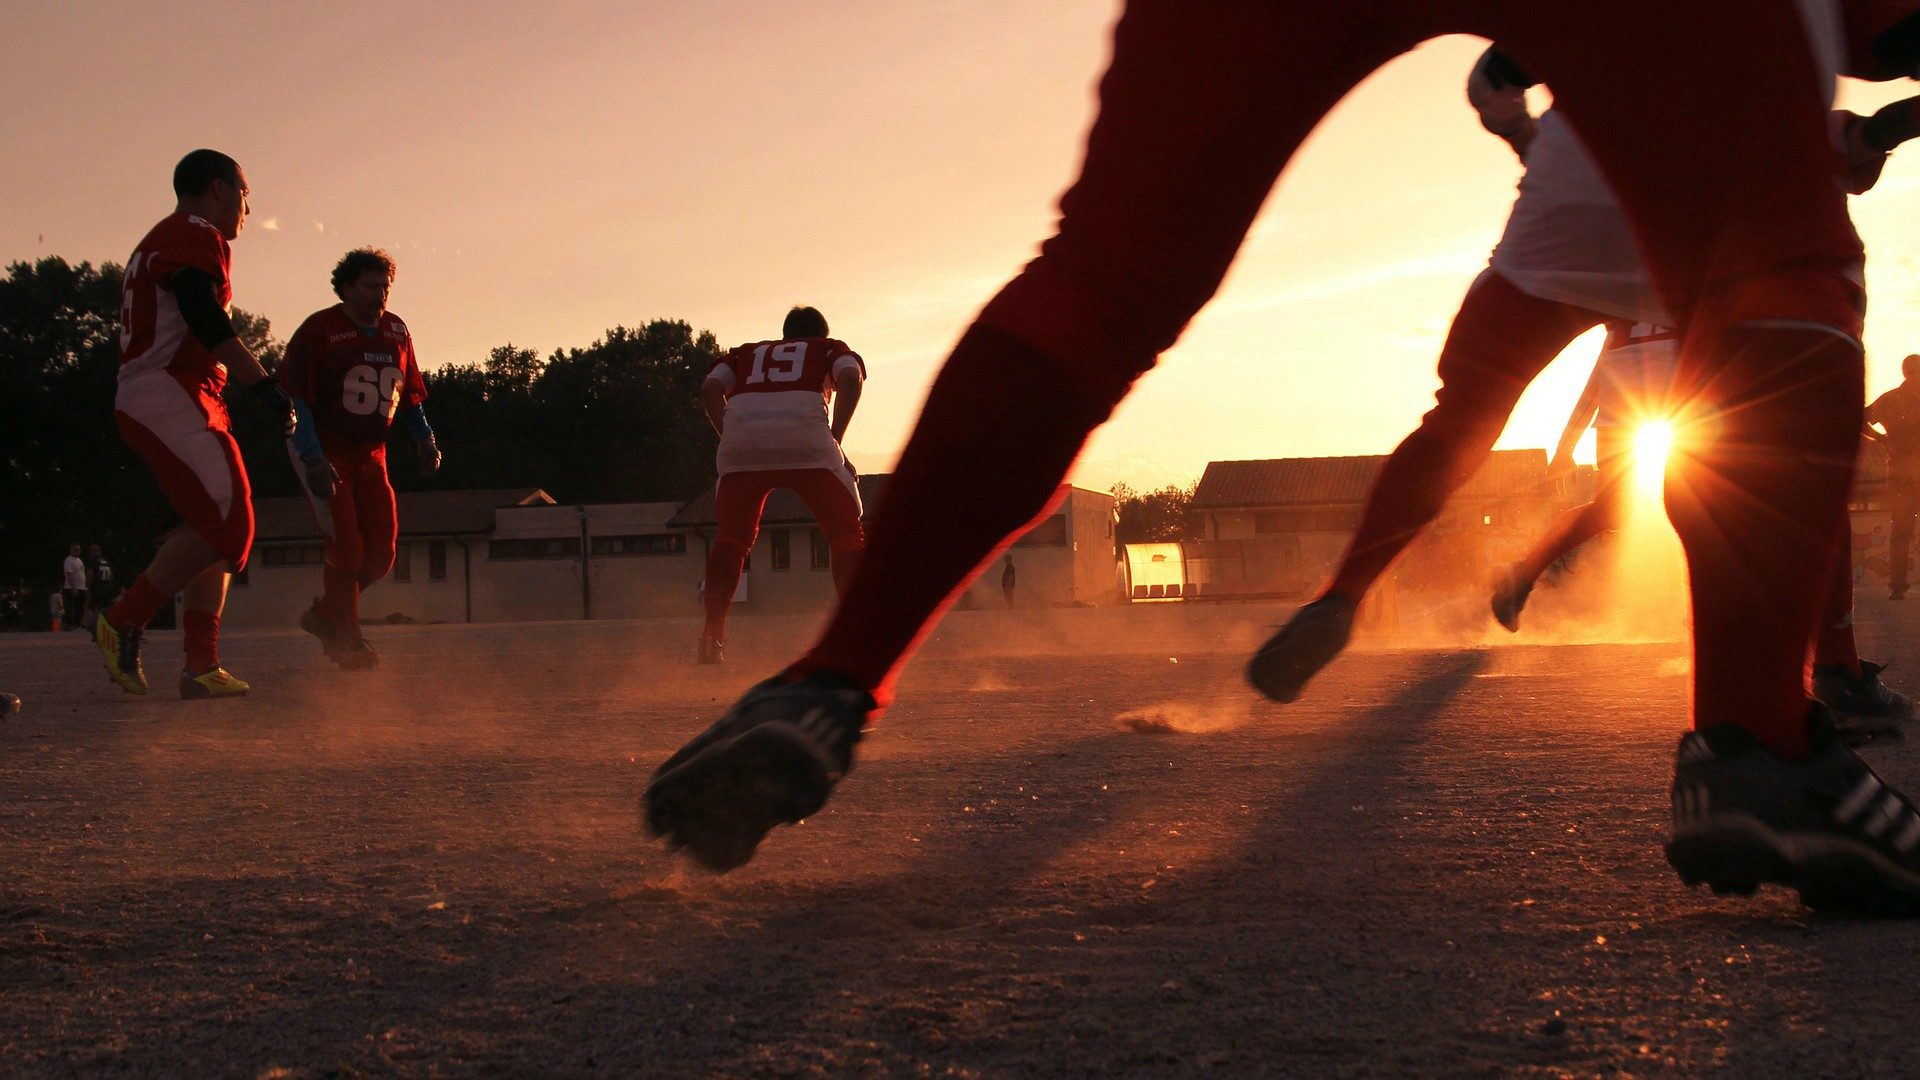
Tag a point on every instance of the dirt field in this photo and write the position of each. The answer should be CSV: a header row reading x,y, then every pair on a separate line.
x,y
1076,847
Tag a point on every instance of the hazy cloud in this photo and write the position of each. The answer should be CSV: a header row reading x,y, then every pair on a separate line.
x,y
272,224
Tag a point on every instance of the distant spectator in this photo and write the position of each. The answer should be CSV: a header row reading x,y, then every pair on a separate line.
x,y
56,609
73,586
1006,579
100,585
1898,412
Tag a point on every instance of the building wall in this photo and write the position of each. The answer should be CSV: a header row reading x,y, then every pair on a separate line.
x,y
274,592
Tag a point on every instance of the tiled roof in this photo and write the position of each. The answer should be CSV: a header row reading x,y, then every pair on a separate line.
x,y
422,513
783,506
1336,480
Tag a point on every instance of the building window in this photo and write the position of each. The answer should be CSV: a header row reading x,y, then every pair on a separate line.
x,y
782,551
566,547
292,554
822,554
436,560
403,562
645,544
1052,531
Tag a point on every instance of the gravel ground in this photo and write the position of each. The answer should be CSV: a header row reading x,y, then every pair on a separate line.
x,y
1076,846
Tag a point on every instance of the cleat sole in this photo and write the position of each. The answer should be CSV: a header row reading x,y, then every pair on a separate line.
x,y
1734,856
719,804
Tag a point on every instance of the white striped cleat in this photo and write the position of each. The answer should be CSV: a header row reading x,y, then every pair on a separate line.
x,y
1827,826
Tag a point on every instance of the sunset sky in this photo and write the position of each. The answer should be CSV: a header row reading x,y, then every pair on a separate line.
x,y
545,172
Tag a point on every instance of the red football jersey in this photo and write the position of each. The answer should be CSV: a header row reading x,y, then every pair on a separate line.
x,y
153,333
773,367
354,378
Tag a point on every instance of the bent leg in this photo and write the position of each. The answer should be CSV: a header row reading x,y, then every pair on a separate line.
x,y
1199,111
1499,342
833,497
737,504
1576,525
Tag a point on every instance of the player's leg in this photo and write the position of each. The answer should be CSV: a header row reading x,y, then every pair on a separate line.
x,y
737,505
338,606
833,498
1848,686
197,466
377,522
1741,216
1199,111
204,599
1903,500
1570,528
1500,339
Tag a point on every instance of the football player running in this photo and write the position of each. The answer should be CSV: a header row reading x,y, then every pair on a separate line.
x,y
769,401
177,349
351,370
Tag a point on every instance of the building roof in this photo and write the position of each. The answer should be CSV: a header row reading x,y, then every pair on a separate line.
x,y
422,513
783,506
1338,480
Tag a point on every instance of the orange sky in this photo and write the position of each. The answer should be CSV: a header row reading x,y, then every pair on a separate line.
x,y
544,173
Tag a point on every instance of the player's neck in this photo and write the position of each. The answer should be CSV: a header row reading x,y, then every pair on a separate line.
x,y
369,322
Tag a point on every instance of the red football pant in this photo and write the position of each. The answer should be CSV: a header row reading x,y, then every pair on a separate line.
x,y
1500,340
365,534
1737,209
1578,524
831,496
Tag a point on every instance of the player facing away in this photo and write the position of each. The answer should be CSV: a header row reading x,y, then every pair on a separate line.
x,y
769,401
1744,227
177,348
1897,412
351,370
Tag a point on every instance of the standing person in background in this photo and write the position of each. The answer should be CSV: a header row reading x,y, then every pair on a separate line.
x,y
73,587
1007,577
351,370
177,346
56,610
1897,412
768,400
100,588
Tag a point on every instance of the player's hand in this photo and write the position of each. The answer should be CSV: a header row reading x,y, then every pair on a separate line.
x,y
429,456
1864,163
320,476
277,402
847,464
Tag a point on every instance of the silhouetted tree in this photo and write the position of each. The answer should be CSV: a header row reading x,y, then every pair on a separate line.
x,y
1151,517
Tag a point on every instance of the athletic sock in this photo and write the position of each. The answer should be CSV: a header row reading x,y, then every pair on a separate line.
x,y
201,630
723,577
1755,507
136,607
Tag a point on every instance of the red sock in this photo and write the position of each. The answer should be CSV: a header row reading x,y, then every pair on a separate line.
x,y
137,606
202,640
340,600
1760,504
1001,426
723,577
1834,646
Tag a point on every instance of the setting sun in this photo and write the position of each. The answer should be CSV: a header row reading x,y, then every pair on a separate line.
x,y
1651,441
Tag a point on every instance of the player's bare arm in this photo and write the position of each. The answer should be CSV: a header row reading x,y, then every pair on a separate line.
x,y
846,398
713,399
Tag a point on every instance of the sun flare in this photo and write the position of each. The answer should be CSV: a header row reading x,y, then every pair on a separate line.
x,y
1651,442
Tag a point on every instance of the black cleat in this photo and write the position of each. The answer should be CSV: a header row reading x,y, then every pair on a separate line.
x,y
1296,653
1827,826
1862,706
9,704
771,760
712,651
1510,593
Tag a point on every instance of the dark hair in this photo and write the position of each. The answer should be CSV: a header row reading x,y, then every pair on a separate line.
x,y
357,262
199,169
804,322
